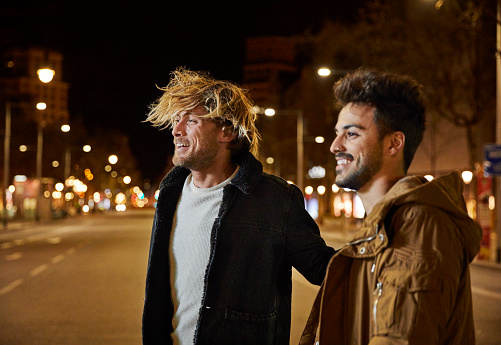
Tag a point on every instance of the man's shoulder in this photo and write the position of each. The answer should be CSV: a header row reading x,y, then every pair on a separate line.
x,y
279,186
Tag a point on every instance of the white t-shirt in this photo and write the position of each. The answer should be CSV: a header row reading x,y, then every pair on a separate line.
x,y
196,212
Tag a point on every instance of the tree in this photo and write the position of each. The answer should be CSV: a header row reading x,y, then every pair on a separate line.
x,y
446,49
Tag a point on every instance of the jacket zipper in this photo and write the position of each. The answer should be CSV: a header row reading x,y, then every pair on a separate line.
x,y
366,239
377,292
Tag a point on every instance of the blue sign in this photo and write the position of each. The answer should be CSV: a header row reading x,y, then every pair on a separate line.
x,y
492,160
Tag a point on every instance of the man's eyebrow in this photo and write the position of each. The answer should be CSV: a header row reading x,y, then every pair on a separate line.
x,y
351,126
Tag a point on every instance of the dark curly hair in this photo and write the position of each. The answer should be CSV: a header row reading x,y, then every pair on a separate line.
x,y
398,101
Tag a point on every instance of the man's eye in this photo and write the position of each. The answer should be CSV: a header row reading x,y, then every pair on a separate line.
x,y
351,134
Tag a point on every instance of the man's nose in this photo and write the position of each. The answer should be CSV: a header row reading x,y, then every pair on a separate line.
x,y
336,145
178,129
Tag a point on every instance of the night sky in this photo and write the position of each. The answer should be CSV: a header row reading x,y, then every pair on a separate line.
x,y
115,53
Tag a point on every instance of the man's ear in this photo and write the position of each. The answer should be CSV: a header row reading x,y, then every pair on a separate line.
x,y
396,143
226,135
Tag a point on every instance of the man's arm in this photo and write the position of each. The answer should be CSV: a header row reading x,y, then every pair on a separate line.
x,y
307,250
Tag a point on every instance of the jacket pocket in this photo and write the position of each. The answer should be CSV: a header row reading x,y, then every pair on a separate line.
x,y
396,300
246,329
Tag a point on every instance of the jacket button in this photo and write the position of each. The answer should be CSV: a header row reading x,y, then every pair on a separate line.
x,y
362,250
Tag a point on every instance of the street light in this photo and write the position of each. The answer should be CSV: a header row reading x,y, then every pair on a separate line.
x,y
324,72
46,74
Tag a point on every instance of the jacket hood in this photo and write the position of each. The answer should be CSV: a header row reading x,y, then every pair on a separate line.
x,y
445,193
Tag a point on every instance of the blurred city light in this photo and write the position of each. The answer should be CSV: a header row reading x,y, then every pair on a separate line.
x,y
41,106
87,148
120,198
20,178
127,179
308,190
358,207
319,139
324,72
269,112
335,188
65,128
59,186
113,159
316,172
467,176
321,190
270,160
428,177
23,148
45,75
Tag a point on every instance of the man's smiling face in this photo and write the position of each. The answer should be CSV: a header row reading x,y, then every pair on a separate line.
x,y
196,140
357,147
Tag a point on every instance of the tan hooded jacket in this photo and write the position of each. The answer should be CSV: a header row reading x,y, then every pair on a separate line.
x,y
405,277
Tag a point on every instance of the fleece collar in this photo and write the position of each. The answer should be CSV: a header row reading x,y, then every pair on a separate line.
x,y
246,179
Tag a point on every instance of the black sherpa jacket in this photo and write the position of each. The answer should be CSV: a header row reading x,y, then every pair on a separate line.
x,y
261,231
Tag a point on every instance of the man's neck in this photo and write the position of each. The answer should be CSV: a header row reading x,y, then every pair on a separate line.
x,y
213,176
373,192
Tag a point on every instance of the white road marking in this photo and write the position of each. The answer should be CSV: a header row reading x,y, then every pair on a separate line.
x,y
58,258
14,256
39,270
11,286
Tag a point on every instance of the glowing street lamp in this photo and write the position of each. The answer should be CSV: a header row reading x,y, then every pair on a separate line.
x,y
46,74
324,72
113,159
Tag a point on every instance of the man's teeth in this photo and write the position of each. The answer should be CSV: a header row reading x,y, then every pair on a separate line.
x,y
342,161
182,145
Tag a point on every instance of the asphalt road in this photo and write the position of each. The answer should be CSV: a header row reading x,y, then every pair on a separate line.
x,y
81,281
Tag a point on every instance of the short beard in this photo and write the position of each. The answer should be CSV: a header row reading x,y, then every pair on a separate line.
x,y
198,160
366,170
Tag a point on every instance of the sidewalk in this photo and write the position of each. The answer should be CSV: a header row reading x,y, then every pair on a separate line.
x,y
343,230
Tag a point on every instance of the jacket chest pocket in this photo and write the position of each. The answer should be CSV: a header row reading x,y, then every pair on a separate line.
x,y
396,300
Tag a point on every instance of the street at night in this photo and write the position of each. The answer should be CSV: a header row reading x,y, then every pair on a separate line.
x,y
81,281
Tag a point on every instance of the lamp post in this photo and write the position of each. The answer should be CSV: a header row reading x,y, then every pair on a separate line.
x,y
498,127
45,75
299,140
6,162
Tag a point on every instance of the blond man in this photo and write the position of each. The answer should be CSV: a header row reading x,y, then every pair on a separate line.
x,y
225,234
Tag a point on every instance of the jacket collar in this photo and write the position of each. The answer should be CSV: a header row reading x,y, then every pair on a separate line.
x,y
246,179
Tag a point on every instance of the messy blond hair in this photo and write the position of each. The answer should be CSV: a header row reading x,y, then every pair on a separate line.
x,y
225,102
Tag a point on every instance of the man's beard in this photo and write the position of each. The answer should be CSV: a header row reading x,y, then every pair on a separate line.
x,y
366,169
201,158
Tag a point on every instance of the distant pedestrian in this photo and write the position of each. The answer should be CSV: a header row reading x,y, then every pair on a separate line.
x,y
225,235
404,278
